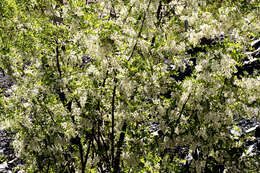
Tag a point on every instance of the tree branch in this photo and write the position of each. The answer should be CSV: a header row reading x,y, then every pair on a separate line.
x,y
179,118
119,148
140,31
57,59
113,122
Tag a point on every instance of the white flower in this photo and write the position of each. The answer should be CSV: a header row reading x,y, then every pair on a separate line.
x,y
69,129
194,18
181,46
207,16
172,43
226,64
26,105
198,68
183,18
130,31
195,37
179,9
206,29
79,12
187,85
251,99
92,69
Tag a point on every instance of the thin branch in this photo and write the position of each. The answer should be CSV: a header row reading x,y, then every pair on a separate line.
x,y
81,152
158,13
113,122
159,17
99,145
87,153
119,148
140,31
179,118
182,109
129,11
82,157
57,59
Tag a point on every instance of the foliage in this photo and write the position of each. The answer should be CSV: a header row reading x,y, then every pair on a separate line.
x,y
90,78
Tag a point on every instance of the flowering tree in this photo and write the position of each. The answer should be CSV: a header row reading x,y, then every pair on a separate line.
x,y
129,86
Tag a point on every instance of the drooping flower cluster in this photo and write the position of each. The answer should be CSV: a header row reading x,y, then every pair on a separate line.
x,y
74,115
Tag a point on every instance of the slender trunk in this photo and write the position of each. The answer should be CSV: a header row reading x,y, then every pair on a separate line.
x,y
113,126
119,149
57,59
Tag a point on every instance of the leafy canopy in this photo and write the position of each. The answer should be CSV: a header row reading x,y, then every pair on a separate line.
x,y
91,79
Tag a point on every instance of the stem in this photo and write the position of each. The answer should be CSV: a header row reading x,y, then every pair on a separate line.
x,y
113,124
179,118
81,152
119,148
57,59
158,13
140,31
182,109
87,153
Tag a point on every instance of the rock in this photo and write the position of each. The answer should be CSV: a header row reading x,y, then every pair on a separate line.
x,y
3,166
256,44
257,132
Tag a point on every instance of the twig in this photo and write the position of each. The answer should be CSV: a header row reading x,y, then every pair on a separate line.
x,y
140,31
113,122
57,58
178,120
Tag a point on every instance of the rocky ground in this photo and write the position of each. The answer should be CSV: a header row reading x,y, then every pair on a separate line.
x,y
250,127
8,160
